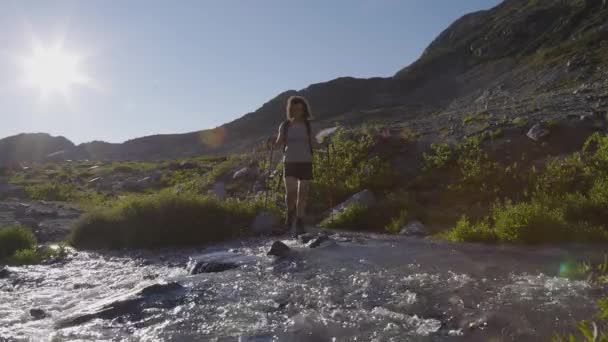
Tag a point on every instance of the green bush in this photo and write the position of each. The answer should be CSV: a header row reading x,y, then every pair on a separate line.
x,y
24,257
529,223
161,220
439,157
349,168
353,217
15,238
465,231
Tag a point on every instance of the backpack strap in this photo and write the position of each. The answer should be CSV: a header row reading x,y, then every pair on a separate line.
x,y
309,131
285,130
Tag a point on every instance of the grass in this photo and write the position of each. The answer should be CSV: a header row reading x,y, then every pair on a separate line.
x,y
162,220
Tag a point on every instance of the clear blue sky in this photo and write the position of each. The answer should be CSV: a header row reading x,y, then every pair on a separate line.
x,y
180,66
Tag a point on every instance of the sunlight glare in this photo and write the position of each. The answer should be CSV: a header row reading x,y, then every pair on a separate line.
x,y
53,70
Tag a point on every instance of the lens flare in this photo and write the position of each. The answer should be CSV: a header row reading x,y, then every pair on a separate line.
x,y
213,138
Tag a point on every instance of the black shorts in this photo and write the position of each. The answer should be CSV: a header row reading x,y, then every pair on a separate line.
x,y
300,171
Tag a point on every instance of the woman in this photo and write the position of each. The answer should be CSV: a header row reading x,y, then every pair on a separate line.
x,y
295,135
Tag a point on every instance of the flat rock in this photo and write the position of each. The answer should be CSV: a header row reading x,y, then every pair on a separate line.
x,y
217,262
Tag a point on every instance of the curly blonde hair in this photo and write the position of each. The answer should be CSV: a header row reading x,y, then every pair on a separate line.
x,y
295,100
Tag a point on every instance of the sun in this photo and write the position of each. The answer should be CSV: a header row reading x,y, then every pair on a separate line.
x,y
53,70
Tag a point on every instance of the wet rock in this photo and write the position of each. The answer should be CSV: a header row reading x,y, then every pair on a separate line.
x,y
264,223
318,241
37,314
132,304
414,228
306,237
365,198
4,273
279,249
217,262
538,132
160,289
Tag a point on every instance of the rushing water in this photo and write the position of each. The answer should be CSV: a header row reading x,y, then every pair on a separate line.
x,y
363,288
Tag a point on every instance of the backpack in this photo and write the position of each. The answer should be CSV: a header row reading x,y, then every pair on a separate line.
x,y
286,129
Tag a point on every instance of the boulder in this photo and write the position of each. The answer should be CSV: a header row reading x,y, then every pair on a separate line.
x,y
538,132
365,198
279,249
414,228
264,223
217,262
37,314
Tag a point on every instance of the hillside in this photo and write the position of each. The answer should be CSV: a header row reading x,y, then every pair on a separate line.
x,y
541,60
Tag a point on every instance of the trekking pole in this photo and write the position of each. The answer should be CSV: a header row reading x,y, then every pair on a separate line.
x,y
331,176
269,141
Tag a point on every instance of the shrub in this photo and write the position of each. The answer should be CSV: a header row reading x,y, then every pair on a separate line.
x,y
160,220
438,157
52,192
353,217
15,238
349,168
529,223
465,231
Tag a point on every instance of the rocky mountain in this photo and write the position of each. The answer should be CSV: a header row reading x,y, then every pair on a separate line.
x,y
532,59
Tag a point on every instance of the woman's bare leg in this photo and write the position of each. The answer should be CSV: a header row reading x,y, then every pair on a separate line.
x,y
303,188
291,195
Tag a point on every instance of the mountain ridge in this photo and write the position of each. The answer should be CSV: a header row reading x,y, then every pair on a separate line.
x,y
499,59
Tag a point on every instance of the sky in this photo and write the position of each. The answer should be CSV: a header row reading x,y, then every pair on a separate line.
x,y
116,70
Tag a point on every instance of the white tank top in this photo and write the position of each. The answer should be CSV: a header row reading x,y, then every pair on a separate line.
x,y
298,145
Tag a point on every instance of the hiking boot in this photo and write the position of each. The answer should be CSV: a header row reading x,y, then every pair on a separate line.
x,y
299,227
